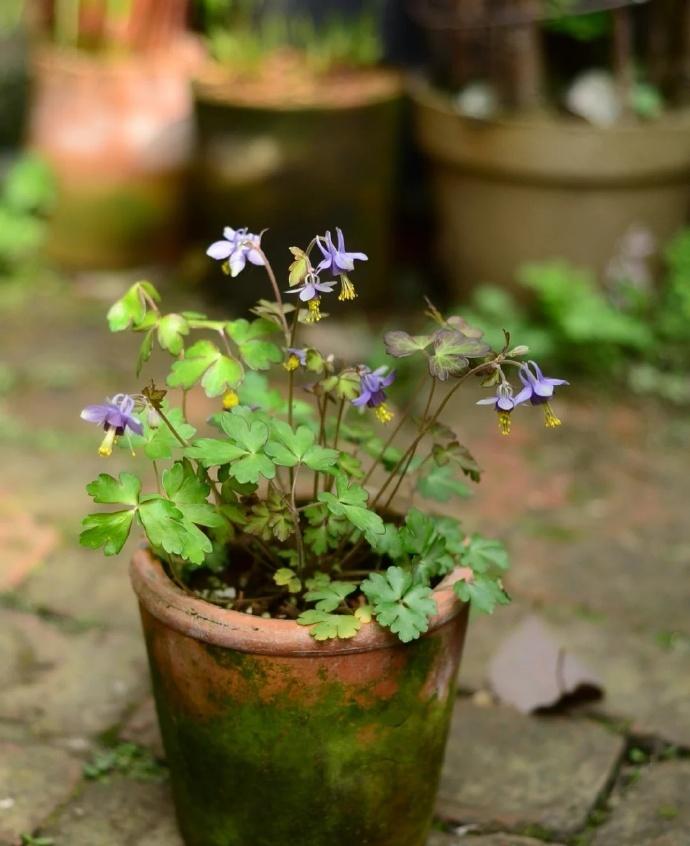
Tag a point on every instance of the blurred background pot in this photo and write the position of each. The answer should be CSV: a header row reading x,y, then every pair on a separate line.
x,y
14,82
268,158
275,738
513,191
117,132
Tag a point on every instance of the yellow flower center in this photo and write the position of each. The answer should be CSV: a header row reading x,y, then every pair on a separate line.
x,y
230,400
314,313
504,422
225,267
106,447
291,363
347,289
384,414
550,419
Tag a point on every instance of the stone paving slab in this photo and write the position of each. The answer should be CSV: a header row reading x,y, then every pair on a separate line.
x,y
653,811
505,771
142,728
440,839
644,683
34,780
84,585
117,812
67,683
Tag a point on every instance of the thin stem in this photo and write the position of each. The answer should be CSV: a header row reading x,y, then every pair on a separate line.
x,y
291,373
158,476
322,438
170,426
295,515
276,289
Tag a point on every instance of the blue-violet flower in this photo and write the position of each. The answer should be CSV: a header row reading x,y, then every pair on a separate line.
x,y
372,391
538,390
237,247
115,416
336,259
296,358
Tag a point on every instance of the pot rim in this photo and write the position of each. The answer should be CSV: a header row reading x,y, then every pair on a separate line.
x,y
201,620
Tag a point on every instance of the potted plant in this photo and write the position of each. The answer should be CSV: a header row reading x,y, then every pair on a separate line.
x,y
292,111
303,632
112,114
552,134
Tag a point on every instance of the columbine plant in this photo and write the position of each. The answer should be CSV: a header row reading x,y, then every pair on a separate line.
x,y
288,510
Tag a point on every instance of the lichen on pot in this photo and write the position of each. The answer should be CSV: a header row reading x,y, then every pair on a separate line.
x,y
303,638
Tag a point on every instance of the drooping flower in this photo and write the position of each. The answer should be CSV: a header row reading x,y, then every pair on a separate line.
x,y
372,387
295,358
336,259
504,402
538,390
312,287
237,247
115,416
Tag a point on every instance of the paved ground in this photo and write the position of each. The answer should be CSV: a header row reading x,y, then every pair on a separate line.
x,y
596,517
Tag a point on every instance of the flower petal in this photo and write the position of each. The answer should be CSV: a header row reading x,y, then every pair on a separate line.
x,y
96,413
220,250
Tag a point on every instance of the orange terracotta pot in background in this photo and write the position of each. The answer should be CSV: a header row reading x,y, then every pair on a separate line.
x,y
274,738
118,133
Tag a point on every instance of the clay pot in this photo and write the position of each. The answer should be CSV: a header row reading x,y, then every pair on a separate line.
x,y
274,738
515,191
118,133
296,166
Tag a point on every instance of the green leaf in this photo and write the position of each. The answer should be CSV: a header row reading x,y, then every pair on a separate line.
x,y
130,309
212,453
255,392
389,543
285,577
257,353
350,502
401,344
145,350
158,442
291,447
485,555
108,490
204,361
166,528
271,518
326,626
171,333
441,485
190,494
483,592
400,605
109,531
329,596
455,453
451,351
350,465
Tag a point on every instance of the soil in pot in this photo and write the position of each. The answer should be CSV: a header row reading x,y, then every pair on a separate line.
x,y
118,135
296,154
273,737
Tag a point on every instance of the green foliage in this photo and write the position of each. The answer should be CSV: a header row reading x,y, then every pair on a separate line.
x,y
350,501
26,194
126,759
270,513
398,603
325,626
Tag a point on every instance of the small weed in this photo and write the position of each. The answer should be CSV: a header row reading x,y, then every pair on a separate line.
x,y
667,812
127,759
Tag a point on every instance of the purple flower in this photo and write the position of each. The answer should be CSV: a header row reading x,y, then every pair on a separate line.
x,y
336,259
312,288
504,402
538,390
115,416
237,246
372,394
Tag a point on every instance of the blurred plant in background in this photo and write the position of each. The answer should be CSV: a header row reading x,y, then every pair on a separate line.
x,y
243,34
627,329
26,195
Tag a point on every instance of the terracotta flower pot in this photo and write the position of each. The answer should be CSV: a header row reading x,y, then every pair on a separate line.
x,y
513,191
274,738
118,133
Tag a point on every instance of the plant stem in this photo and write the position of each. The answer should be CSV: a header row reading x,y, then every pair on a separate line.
x,y
295,516
158,476
291,373
276,290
